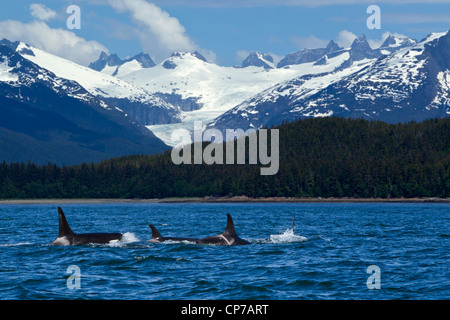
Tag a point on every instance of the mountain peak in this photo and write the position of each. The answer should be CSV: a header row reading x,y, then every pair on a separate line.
x,y
332,47
395,42
258,59
199,56
437,47
9,44
113,60
360,49
103,60
389,41
361,42
144,59
308,55
183,54
103,56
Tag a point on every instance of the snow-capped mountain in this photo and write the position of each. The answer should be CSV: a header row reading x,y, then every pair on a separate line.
x,y
257,93
115,93
401,76
48,118
113,65
411,83
257,59
308,55
360,49
203,90
394,43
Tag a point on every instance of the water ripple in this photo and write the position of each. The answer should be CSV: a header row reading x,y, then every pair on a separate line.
x,y
326,258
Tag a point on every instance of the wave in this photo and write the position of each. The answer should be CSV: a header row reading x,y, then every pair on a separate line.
x,y
177,242
15,244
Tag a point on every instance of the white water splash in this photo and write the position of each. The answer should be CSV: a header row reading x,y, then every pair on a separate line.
x,y
287,236
127,237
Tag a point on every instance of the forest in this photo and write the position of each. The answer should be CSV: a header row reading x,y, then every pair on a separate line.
x,y
322,157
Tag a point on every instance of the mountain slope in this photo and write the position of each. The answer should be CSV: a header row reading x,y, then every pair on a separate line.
x,y
264,108
411,83
205,90
215,88
48,118
114,92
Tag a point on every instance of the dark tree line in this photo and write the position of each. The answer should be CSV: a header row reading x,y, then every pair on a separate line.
x,y
326,157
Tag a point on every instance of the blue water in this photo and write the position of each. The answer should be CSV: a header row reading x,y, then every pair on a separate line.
x,y
326,258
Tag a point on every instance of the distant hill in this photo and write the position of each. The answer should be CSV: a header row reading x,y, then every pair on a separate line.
x,y
323,157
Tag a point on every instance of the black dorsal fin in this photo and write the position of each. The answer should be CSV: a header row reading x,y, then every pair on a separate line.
x,y
64,228
230,230
155,232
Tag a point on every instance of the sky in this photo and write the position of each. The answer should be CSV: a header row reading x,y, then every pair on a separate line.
x,y
224,31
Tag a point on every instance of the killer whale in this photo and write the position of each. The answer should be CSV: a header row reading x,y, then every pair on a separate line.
x,y
67,237
227,238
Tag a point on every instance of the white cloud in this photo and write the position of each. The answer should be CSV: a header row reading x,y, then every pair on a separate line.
x,y
159,33
209,55
345,38
41,12
376,43
276,57
59,42
241,55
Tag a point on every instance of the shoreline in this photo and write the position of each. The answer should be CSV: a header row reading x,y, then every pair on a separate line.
x,y
237,199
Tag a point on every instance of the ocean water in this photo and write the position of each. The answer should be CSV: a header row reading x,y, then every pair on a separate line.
x,y
337,251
